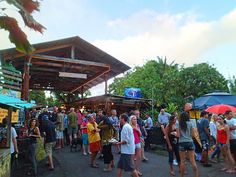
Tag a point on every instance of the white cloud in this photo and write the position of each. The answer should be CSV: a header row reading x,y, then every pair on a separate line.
x,y
180,37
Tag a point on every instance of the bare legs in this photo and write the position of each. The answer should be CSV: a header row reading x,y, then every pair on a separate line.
x,y
229,161
137,161
192,161
93,159
119,173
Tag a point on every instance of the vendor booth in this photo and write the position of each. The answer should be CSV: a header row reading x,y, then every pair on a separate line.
x,y
108,102
9,107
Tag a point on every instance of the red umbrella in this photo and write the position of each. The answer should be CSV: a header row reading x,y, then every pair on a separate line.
x,y
220,108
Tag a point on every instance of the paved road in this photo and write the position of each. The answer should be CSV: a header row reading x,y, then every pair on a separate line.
x,y
74,164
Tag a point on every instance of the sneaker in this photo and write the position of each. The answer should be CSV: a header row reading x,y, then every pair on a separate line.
x,y
175,162
207,165
85,153
90,152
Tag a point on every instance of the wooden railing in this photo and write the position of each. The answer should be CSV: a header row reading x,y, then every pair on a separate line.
x,y
10,78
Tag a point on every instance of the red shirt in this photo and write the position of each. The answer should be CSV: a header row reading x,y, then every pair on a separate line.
x,y
136,136
221,136
84,130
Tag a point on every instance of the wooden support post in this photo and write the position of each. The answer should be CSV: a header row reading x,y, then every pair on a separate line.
x,y
82,92
26,78
9,116
105,78
72,52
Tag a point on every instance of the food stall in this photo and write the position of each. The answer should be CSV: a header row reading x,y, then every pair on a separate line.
x,y
9,107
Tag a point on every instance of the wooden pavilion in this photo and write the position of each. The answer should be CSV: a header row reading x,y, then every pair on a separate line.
x,y
70,65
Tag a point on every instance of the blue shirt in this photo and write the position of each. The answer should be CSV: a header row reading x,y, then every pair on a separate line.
x,y
65,121
149,123
115,122
164,118
202,124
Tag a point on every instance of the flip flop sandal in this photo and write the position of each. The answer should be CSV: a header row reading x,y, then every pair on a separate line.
x,y
230,171
140,174
223,169
94,166
172,173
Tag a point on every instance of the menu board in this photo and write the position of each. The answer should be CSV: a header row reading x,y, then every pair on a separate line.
x,y
4,113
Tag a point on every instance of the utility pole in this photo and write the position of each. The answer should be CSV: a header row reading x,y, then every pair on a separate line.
x,y
152,105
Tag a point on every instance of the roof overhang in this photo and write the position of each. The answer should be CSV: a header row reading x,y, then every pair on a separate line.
x,y
70,55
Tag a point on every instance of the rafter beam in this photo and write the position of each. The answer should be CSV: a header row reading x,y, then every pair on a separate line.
x,y
69,60
17,55
73,75
89,80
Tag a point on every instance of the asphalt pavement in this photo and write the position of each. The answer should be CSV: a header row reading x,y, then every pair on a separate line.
x,y
74,164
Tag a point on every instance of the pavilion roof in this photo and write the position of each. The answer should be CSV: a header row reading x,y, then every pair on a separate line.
x,y
83,64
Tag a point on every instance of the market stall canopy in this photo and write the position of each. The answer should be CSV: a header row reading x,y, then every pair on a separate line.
x,y
215,98
6,101
70,64
110,101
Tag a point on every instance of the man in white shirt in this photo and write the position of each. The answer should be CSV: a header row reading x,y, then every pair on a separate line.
x,y
231,122
127,148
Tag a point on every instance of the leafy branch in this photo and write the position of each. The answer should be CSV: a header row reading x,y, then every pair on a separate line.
x,y
25,8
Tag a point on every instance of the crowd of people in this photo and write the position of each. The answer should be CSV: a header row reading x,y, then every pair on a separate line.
x,y
129,134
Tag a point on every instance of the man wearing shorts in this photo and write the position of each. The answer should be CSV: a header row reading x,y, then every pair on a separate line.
x,y
60,129
231,122
127,148
72,125
48,129
203,130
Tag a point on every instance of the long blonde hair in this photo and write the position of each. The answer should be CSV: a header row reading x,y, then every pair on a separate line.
x,y
130,120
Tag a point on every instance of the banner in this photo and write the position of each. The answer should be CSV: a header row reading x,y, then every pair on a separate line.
x,y
133,92
10,93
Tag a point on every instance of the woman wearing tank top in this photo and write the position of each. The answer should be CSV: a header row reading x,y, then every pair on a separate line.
x,y
186,144
223,135
33,134
172,139
137,141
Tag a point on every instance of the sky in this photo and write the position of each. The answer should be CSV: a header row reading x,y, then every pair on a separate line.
x,y
135,31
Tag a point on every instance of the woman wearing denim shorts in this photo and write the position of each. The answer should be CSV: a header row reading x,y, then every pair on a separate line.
x,y
186,143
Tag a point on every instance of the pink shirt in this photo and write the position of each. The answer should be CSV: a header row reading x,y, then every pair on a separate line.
x,y
136,136
80,118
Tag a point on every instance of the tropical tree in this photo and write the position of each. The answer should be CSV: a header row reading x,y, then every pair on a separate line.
x,y
25,8
154,79
65,97
38,96
199,80
169,84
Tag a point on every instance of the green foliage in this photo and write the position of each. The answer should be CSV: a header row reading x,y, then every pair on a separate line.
x,y
199,80
10,24
51,102
38,96
232,85
171,108
65,97
171,83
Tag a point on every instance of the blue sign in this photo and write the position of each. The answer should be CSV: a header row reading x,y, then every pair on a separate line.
x,y
133,92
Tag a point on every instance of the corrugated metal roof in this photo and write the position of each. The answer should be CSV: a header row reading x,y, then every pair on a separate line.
x,y
14,102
